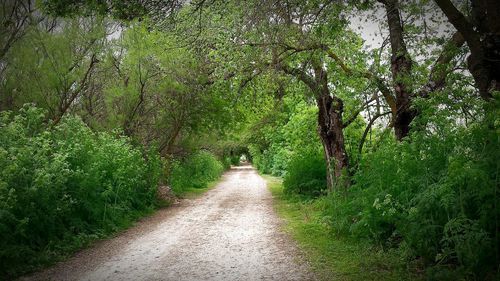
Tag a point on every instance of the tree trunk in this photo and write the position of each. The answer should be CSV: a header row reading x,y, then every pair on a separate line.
x,y
6,101
482,35
330,129
486,15
401,64
330,124
167,146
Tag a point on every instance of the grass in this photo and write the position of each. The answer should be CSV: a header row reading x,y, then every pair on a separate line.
x,y
330,256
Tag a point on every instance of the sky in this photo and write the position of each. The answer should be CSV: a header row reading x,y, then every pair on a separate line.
x,y
368,24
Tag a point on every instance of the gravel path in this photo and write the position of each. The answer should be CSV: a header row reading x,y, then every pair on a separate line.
x,y
230,233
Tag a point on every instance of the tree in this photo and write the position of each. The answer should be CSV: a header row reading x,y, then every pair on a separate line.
x,y
16,16
158,97
58,63
285,37
401,68
482,34
123,10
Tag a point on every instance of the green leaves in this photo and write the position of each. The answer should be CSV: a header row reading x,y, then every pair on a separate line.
x,y
124,10
194,172
306,173
162,94
58,182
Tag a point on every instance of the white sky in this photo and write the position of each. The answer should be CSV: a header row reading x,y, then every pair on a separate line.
x,y
368,24
367,28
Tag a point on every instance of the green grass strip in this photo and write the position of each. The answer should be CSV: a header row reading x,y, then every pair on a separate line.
x,y
330,256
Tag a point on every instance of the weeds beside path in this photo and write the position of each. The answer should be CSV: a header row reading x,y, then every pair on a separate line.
x,y
332,257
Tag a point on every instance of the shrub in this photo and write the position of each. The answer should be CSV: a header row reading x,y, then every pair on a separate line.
x,y
235,160
306,174
61,186
436,197
226,163
196,171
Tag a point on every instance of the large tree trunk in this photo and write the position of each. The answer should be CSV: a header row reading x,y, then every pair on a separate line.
x,y
330,124
330,129
401,64
486,15
482,35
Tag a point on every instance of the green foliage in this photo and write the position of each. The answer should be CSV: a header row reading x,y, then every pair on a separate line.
x,y
235,160
328,253
196,171
62,186
283,133
226,163
125,10
434,197
161,97
287,144
171,87
50,69
306,174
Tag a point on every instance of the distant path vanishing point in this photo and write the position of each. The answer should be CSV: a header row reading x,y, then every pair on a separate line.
x,y
230,233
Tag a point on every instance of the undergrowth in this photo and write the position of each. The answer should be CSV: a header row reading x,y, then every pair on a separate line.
x,y
195,172
331,255
433,198
63,186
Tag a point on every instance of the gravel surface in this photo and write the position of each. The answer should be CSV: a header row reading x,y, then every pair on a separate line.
x,y
230,233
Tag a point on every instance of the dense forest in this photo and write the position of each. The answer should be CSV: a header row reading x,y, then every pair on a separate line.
x,y
381,115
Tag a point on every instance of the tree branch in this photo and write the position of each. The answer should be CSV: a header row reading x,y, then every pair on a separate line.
x,y
301,75
76,92
357,112
439,72
379,82
367,129
461,24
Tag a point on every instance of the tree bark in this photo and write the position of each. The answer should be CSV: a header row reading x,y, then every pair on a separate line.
x,y
483,38
330,129
330,124
401,65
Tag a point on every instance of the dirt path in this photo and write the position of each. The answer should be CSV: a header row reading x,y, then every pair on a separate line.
x,y
230,233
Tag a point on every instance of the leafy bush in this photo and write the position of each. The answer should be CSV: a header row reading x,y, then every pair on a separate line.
x,y
306,174
195,172
288,134
434,197
226,163
61,186
235,160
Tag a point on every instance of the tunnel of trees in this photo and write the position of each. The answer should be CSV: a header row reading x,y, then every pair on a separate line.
x,y
388,110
